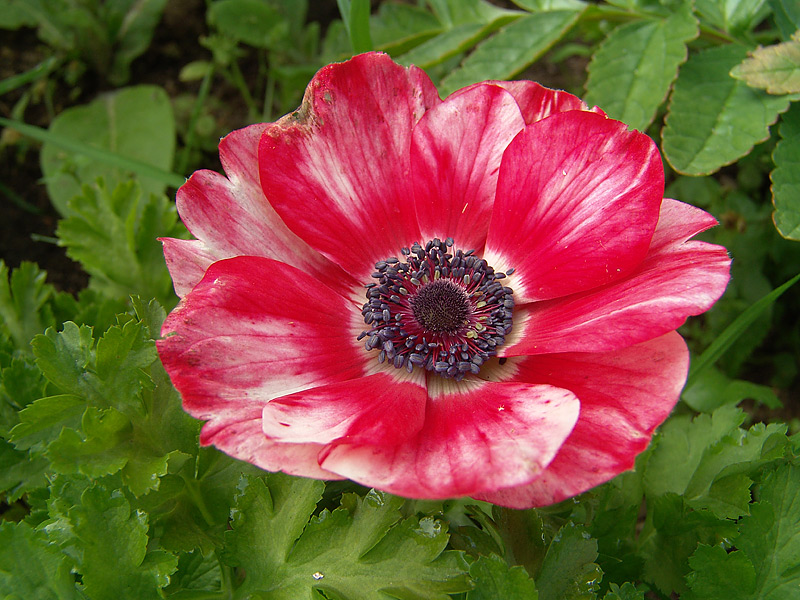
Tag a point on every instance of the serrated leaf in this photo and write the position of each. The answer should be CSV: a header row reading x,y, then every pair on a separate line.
x,y
23,302
786,177
30,567
19,473
632,71
714,119
359,551
494,579
787,16
720,574
733,16
101,530
569,571
134,122
773,68
712,388
63,355
113,234
511,49
42,420
626,592
770,536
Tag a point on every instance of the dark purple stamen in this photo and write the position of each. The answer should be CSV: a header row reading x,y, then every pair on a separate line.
x,y
440,310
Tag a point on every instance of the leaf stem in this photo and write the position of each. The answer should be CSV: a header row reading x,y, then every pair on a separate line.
x,y
197,498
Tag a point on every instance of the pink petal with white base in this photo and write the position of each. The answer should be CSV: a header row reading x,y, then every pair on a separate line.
x,y
676,280
477,436
455,159
244,440
624,396
338,169
232,216
577,203
254,329
187,261
381,409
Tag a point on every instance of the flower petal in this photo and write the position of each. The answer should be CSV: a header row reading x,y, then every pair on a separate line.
x,y
676,280
337,170
577,203
455,159
536,101
187,261
479,437
254,329
232,216
380,409
624,396
244,440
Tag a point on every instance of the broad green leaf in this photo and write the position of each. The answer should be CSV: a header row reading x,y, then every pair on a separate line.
x,y
445,45
30,567
19,473
398,27
720,574
248,21
569,571
459,12
41,422
494,579
355,15
113,234
632,71
714,119
626,592
712,388
23,303
770,536
136,123
511,49
102,531
787,16
733,16
63,356
786,177
360,551
773,68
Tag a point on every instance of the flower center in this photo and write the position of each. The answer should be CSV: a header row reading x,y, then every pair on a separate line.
x,y
443,310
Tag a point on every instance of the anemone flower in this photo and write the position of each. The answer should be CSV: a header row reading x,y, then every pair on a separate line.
x,y
474,296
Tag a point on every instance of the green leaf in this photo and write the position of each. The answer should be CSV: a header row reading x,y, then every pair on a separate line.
x,y
63,356
714,119
774,68
569,571
511,49
102,530
360,551
787,16
494,579
355,14
30,567
114,236
724,340
712,388
24,311
445,45
41,422
250,21
693,457
786,177
19,473
398,27
770,536
720,574
626,592
138,21
632,71
733,16
135,123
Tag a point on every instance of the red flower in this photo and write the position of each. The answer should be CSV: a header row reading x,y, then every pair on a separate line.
x,y
515,340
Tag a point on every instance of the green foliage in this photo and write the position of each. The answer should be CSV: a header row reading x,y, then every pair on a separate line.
x,y
786,177
493,579
135,122
774,68
113,234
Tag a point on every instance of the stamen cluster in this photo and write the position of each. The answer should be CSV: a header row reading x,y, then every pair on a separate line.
x,y
443,310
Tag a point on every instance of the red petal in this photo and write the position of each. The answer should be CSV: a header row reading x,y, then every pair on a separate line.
x,y
187,261
232,216
676,280
337,170
254,329
536,101
624,396
577,203
244,440
380,409
478,437
455,158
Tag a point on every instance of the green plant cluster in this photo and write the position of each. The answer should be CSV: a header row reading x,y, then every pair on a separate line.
x,y
105,490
